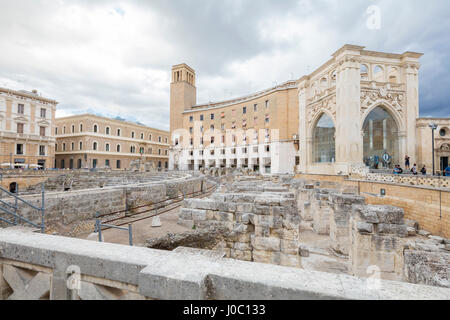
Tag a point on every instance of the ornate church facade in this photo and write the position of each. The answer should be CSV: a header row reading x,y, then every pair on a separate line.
x,y
358,110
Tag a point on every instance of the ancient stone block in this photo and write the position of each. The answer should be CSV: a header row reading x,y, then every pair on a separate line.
x,y
289,247
198,215
266,244
364,227
245,255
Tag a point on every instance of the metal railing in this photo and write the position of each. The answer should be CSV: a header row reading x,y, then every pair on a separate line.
x,y
12,210
157,207
99,226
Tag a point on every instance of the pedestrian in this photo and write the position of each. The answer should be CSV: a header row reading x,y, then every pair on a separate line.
x,y
424,171
407,164
447,171
414,169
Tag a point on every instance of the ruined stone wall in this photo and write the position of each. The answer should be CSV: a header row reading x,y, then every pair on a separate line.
x,y
74,206
377,242
264,227
37,266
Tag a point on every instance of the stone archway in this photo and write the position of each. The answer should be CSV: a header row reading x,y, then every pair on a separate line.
x,y
381,138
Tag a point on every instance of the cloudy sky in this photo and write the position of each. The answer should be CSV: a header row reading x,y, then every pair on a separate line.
x,y
113,57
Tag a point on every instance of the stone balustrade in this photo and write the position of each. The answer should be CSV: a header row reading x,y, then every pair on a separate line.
x,y
37,266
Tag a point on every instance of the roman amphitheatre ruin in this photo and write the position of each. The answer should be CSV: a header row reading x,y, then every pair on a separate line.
x,y
223,234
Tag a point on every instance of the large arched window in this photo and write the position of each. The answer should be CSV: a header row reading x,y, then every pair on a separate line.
x,y
324,149
380,139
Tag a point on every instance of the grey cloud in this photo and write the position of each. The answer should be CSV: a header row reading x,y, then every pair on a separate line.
x,y
235,47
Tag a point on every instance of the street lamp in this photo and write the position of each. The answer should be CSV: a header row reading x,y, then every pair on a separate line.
x,y
433,127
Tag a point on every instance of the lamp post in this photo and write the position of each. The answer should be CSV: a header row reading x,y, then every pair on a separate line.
x,y
433,127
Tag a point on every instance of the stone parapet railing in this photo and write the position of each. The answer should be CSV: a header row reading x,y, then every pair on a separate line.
x,y
37,266
411,180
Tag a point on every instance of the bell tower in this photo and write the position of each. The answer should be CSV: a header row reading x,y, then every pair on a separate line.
x,y
183,94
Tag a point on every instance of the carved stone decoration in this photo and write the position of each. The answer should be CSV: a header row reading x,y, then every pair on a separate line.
x,y
26,284
369,98
445,147
328,105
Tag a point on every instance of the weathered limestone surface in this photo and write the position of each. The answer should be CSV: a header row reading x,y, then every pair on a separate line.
x,y
341,209
428,262
111,271
262,221
377,242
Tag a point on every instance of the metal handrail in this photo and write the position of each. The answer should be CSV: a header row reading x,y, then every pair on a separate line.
x,y
16,216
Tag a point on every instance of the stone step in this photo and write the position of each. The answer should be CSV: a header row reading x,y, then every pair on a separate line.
x,y
24,229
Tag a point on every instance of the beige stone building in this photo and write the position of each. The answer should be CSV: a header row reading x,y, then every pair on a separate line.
x,y
358,110
441,143
256,131
26,129
90,141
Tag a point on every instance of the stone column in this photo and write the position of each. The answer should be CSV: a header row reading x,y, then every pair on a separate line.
x,y
412,108
321,211
377,246
349,141
341,208
303,130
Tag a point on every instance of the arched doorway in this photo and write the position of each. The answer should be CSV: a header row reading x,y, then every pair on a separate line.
x,y
323,144
381,139
13,187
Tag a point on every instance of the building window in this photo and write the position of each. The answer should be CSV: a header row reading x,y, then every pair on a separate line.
x,y
167,140
81,128
63,165
81,145
267,103
142,136
159,139
255,108
118,164
42,150
64,130
118,148
132,149
73,129
64,147
56,130
95,128
20,109
43,113
380,136
159,151
118,132
267,118
19,149
212,127
132,135
222,126
150,137
244,150
244,110
107,163
212,116
56,147
192,142
159,164
201,141
150,150
94,146
20,128
141,150
166,165
107,130
191,119
107,147
42,131
442,132
201,117
267,148
73,146
324,140
191,130
79,164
